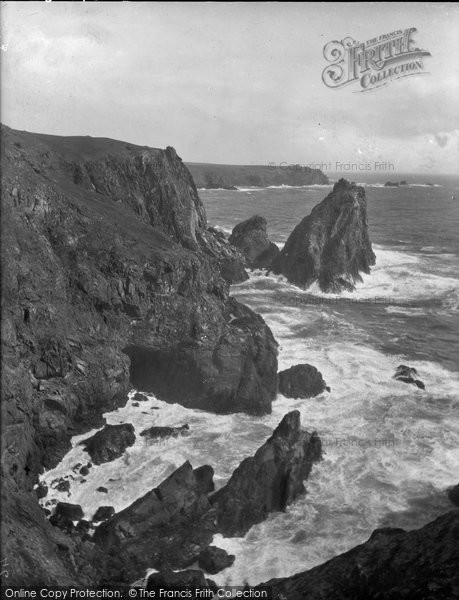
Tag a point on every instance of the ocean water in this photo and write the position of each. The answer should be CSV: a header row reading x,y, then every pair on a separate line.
x,y
390,449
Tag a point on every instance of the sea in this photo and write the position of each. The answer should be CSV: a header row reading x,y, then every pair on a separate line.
x,y
391,450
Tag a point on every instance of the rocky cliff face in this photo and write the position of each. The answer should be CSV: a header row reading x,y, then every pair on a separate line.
x,y
392,565
110,277
331,245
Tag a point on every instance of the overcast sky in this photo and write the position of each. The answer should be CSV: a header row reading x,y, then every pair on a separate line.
x,y
231,82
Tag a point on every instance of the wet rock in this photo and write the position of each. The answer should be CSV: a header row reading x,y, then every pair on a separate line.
x,y
330,246
170,525
204,478
41,490
62,522
135,404
103,513
213,560
408,375
84,471
392,564
270,480
102,490
63,486
69,511
83,526
156,433
139,397
109,443
251,238
301,381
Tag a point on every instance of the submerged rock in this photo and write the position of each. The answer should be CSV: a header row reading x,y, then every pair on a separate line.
x,y
331,245
301,381
391,564
408,375
251,238
109,443
270,480
153,433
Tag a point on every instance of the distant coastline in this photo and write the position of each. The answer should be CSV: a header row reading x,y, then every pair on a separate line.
x,y
230,177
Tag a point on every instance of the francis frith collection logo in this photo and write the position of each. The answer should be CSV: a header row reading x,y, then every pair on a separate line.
x,y
373,63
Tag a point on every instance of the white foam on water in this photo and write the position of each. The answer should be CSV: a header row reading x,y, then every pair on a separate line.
x,y
385,442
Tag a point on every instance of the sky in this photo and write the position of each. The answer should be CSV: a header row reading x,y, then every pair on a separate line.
x,y
237,83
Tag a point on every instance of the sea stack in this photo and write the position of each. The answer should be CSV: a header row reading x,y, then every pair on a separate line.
x,y
330,246
251,238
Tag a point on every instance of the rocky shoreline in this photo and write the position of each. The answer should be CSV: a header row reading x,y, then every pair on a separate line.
x,y
112,279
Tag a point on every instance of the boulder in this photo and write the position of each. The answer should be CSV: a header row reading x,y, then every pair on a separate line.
x,y
102,489
330,246
213,560
103,513
408,375
301,381
251,238
270,480
139,397
41,490
391,564
73,512
109,443
170,525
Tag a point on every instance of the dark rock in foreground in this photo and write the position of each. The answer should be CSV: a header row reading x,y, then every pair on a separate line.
x,y
166,578
213,560
301,381
169,525
270,480
392,565
109,443
251,238
330,246
408,375
453,494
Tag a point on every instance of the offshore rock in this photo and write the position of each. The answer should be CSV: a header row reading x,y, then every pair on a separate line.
x,y
331,245
109,443
251,238
408,375
270,480
301,381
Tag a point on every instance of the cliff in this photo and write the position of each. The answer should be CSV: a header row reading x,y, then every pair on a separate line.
x,y
207,175
110,278
392,565
330,246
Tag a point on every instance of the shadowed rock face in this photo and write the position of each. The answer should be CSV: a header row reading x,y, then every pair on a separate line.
x,y
392,565
168,526
251,238
331,245
107,262
270,480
